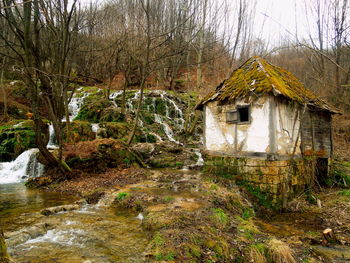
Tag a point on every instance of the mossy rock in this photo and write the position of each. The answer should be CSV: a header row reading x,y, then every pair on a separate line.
x,y
147,117
15,140
80,131
106,155
93,109
112,114
170,155
121,131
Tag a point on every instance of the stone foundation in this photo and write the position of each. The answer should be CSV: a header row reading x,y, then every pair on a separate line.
x,y
280,180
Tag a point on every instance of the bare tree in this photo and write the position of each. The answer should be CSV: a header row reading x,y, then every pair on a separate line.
x,y
43,34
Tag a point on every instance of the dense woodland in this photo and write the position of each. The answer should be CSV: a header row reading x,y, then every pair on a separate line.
x,y
55,46
98,119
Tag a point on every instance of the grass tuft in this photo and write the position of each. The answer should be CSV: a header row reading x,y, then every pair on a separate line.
x,y
280,252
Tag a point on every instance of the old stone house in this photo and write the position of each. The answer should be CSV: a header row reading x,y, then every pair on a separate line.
x,y
264,122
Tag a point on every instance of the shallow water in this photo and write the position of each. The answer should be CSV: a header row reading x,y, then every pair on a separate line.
x,y
17,199
90,234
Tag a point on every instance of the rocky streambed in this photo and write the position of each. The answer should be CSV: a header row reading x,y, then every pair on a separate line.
x,y
78,232
167,215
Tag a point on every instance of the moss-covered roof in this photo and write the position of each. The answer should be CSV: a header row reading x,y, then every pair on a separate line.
x,y
257,77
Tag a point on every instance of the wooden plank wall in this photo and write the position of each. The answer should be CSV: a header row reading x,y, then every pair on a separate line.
x,y
316,133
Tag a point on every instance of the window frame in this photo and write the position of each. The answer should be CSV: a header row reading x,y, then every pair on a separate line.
x,y
237,111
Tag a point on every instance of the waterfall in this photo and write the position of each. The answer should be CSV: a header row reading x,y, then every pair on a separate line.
x,y
25,166
52,145
74,106
114,95
168,131
178,111
95,127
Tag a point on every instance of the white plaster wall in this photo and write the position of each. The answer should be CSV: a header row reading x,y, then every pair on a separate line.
x,y
288,125
214,137
258,131
252,137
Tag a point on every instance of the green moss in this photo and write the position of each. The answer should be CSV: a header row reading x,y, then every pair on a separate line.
x,y
147,117
247,213
165,256
220,216
310,197
169,199
262,198
258,76
15,140
160,106
345,192
80,131
96,108
122,195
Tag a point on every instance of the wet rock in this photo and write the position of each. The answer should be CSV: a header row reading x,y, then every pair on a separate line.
x,y
19,237
144,149
94,197
16,139
35,182
4,257
57,209
169,154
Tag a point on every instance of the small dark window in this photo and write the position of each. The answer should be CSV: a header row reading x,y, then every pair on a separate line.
x,y
243,114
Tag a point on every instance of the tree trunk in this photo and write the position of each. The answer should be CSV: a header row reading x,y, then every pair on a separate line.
x,y
4,94
329,236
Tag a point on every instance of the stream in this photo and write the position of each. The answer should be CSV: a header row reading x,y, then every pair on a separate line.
x,y
89,234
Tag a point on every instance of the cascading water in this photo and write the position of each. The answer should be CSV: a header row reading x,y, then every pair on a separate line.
x,y
114,95
95,127
168,131
75,105
200,160
178,111
52,145
25,166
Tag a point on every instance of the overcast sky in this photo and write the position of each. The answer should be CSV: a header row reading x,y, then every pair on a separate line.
x,y
283,18
274,19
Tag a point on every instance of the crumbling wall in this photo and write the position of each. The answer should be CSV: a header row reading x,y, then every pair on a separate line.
x,y
288,127
224,137
279,180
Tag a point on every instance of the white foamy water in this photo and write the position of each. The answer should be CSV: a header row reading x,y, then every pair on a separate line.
x,y
140,216
52,145
62,237
95,127
75,105
200,160
168,131
24,167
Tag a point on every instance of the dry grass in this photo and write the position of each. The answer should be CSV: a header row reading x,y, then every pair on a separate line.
x,y
280,252
257,256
